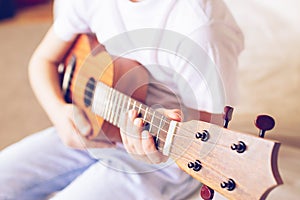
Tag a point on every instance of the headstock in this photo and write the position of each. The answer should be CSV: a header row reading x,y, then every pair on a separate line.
x,y
235,164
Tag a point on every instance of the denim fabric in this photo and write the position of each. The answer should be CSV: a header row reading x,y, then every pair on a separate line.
x,y
40,165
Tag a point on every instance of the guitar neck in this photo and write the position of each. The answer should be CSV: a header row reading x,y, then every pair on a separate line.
x,y
112,105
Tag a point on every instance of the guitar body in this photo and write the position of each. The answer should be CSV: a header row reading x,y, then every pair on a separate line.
x,y
126,76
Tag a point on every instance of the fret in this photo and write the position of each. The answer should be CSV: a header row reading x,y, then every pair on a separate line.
x,y
114,107
134,104
123,104
145,115
103,93
161,124
123,108
107,100
98,104
151,122
95,105
118,109
139,110
128,104
105,104
108,107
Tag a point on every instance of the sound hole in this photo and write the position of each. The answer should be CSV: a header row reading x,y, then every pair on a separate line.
x,y
89,92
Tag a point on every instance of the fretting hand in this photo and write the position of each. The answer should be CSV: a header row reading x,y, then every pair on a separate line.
x,y
139,143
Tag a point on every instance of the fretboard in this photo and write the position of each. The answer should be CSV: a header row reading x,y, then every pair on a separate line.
x,y
111,105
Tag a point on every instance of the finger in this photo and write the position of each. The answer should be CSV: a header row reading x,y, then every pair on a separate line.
x,y
148,144
132,114
174,114
81,122
133,137
81,142
72,138
128,131
123,134
136,139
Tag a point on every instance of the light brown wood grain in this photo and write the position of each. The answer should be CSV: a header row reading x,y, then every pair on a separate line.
x,y
254,171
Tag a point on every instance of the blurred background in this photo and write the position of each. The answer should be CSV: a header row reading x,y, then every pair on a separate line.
x,y
269,75
22,26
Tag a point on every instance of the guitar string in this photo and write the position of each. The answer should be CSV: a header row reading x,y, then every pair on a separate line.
x,y
186,131
165,121
149,109
87,61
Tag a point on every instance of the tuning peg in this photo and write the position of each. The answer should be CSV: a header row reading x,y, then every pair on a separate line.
x,y
228,110
206,192
264,123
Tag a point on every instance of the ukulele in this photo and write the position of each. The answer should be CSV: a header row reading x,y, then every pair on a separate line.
x,y
235,164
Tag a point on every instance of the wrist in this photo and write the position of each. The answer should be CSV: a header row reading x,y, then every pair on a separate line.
x,y
56,109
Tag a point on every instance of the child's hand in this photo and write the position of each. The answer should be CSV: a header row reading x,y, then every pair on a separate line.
x,y
73,128
139,143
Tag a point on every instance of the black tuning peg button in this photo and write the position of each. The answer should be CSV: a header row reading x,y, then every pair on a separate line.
x,y
229,185
204,135
196,166
239,147
264,123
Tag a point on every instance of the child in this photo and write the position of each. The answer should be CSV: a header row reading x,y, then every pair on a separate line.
x,y
179,32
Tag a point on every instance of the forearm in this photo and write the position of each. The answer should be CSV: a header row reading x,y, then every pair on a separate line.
x,y
43,73
44,80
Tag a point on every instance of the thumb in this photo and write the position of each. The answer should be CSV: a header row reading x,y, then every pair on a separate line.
x,y
81,122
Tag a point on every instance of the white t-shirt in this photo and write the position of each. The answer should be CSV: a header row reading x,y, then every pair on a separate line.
x,y
191,46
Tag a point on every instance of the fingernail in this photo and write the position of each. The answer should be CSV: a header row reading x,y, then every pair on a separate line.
x,y
145,135
137,122
131,114
179,117
176,116
85,131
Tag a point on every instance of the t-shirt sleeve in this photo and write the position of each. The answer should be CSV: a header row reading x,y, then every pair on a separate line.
x,y
70,18
206,67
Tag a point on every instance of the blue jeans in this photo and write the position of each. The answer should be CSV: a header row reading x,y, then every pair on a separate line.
x,y
40,164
